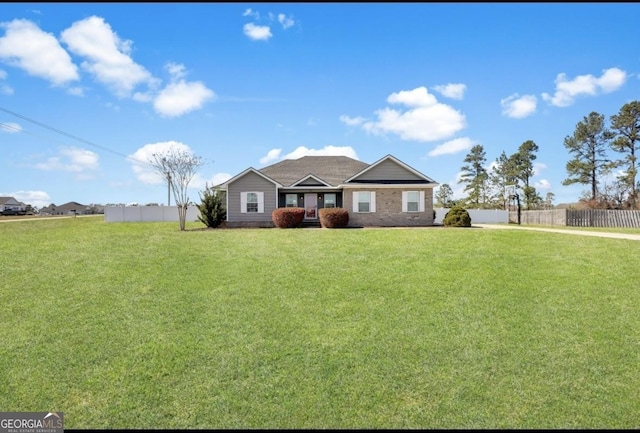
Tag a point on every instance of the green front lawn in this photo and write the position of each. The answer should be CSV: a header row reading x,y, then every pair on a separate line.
x,y
139,325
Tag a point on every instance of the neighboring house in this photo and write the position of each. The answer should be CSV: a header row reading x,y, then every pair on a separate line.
x,y
385,193
10,203
71,208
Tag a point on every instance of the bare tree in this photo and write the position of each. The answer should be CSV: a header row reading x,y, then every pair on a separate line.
x,y
178,166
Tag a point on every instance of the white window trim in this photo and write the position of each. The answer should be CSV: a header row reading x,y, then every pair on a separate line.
x,y
243,201
405,201
372,201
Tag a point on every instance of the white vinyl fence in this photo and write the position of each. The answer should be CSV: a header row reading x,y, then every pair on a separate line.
x,y
120,214
478,216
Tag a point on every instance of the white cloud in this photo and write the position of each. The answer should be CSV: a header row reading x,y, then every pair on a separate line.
x,y
257,33
452,146
181,97
300,151
566,91
538,167
250,13
453,91
542,184
5,88
352,121
200,182
108,55
38,53
10,127
456,187
426,120
612,79
285,21
418,97
271,156
519,107
79,161
75,91
140,160
176,70
37,199
219,178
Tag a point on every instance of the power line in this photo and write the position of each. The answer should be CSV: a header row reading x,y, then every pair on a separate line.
x,y
66,134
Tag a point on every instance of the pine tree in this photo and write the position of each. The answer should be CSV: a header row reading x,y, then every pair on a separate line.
x,y
626,125
475,176
588,145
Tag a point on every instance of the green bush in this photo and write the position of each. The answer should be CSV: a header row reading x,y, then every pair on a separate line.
x,y
457,217
287,217
212,211
335,217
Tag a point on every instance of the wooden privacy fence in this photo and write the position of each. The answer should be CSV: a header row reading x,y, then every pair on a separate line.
x,y
579,217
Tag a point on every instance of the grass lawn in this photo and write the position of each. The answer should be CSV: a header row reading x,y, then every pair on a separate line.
x,y
139,325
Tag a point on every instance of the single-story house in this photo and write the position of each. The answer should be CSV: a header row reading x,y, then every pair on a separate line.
x,y
71,208
386,193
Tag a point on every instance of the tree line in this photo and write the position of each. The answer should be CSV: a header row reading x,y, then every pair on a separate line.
x,y
590,165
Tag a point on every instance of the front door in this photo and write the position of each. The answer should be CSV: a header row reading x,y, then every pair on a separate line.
x,y
311,206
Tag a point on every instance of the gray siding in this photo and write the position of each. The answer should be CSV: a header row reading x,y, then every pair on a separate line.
x,y
388,170
250,182
389,209
311,182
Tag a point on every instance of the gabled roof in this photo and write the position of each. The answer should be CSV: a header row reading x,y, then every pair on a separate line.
x,y
4,200
397,161
316,179
331,169
72,205
249,170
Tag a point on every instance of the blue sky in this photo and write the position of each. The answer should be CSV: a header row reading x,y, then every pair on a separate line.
x,y
85,88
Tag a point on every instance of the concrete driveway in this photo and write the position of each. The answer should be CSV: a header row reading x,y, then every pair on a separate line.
x,y
632,237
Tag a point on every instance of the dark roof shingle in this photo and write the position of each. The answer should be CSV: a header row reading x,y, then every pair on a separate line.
x,y
332,169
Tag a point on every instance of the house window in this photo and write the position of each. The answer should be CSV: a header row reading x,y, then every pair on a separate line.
x,y
329,200
252,202
412,201
292,200
364,201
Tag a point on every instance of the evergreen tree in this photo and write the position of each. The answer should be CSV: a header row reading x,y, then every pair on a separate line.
x,y
626,126
475,176
523,161
212,207
500,177
444,195
587,145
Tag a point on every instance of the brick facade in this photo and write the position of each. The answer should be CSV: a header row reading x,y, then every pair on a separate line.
x,y
389,209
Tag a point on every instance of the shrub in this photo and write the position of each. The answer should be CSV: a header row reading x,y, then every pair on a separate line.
x,y
212,211
457,217
287,217
334,217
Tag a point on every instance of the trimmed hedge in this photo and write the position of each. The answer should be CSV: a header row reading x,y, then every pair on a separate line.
x,y
335,217
287,217
457,217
